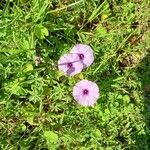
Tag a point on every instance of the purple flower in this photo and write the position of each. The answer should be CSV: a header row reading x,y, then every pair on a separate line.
x,y
70,64
85,54
86,92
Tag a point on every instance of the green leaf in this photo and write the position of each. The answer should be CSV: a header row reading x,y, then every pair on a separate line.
x,y
97,11
41,31
126,98
15,88
104,17
30,120
50,137
97,133
45,31
100,31
9,51
27,67
21,127
24,44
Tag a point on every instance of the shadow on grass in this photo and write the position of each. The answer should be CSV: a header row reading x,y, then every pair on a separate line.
x,y
143,74
110,82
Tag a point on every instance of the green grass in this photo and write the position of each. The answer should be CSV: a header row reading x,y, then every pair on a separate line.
x,y
37,110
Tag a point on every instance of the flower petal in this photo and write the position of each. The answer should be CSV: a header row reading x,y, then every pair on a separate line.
x,y
86,51
70,58
88,99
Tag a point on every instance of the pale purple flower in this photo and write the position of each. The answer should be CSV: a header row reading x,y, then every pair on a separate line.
x,y
86,93
85,54
70,64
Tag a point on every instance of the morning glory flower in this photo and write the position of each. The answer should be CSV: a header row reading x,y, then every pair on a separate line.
x,y
70,64
85,54
86,93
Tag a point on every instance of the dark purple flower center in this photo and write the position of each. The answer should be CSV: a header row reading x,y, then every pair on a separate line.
x,y
69,65
85,92
81,56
